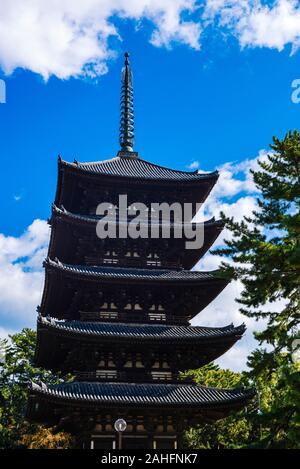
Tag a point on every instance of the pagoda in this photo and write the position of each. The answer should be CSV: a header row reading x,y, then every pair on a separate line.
x,y
115,311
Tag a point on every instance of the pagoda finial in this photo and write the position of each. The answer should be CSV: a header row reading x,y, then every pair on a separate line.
x,y
127,112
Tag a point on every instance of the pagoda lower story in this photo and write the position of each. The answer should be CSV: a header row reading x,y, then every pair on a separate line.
x,y
156,414
115,312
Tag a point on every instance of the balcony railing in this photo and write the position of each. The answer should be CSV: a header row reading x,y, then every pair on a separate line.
x,y
115,316
125,376
131,262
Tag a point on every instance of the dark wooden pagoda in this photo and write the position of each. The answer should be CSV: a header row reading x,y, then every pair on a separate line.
x,y
115,312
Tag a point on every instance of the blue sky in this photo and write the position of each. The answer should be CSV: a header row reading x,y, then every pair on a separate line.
x,y
212,84
215,105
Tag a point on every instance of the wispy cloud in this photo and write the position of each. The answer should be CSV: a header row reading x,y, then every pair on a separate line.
x,y
194,165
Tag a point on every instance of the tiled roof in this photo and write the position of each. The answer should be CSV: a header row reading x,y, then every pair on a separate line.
x,y
93,219
138,168
133,273
141,331
178,395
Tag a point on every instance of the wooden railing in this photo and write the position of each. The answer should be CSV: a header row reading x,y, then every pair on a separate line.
x,y
127,376
150,318
131,262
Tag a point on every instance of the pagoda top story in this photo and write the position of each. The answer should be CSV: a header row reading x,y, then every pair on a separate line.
x,y
128,169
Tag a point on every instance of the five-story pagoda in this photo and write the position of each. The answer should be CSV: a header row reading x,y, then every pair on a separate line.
x,y
115,310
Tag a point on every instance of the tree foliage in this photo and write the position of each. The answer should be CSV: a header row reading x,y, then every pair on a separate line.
x,y
231,432
16,371
46,438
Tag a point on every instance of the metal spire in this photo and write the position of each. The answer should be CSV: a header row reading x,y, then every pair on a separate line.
x,y
127,112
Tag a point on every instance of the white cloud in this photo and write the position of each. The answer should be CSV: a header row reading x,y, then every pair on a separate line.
x,y
224,310
21,276
236,177
271,27
72,37
235,192
255,23
193,165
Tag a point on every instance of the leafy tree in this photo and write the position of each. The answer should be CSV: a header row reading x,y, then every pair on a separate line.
x,y
278,421
16,370
45,438
231,432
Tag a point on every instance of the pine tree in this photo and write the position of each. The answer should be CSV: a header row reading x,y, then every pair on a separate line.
x,y
265,256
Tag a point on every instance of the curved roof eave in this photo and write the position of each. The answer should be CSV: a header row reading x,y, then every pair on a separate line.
x,y
67,215
178,395
140,332
134,273
137,168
